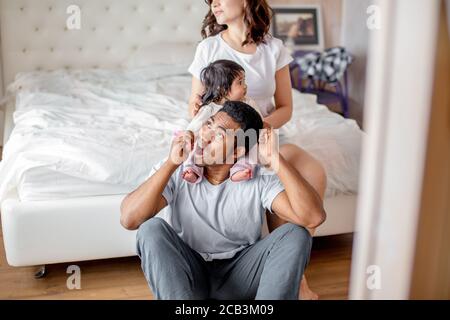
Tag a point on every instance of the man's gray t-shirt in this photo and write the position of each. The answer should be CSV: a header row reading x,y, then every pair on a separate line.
x,y
218,221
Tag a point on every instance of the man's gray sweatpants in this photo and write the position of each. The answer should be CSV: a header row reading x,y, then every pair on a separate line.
x,y
271,268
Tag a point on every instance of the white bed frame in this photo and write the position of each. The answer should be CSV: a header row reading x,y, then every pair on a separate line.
x,y
35,37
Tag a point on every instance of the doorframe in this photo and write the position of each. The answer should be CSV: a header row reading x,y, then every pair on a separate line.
x,y
397,108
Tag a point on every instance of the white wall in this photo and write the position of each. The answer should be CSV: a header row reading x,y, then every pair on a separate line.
x,y
354,37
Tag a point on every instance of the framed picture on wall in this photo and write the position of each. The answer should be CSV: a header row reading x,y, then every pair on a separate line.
x,y
299,26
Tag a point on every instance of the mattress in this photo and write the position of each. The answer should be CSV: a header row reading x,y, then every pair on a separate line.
x,y
77,229
39,184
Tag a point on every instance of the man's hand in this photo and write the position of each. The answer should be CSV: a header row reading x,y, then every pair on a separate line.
x,y
196,104
181,146
268,153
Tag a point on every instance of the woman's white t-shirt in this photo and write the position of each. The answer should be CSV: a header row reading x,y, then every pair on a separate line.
x,y
260,67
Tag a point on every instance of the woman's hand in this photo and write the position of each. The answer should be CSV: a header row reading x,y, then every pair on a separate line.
x,y
195,99
195,105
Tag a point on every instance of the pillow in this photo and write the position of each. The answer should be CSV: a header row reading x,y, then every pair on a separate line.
x,y
161,53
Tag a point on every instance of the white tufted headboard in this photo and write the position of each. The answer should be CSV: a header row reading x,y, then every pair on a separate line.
x,y
35,35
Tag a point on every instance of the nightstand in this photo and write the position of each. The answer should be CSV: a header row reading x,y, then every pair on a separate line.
x,y
327,93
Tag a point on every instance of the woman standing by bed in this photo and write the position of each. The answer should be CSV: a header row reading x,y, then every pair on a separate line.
x,y
238,30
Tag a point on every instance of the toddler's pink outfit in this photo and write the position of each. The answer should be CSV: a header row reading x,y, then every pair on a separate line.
x,y
241,164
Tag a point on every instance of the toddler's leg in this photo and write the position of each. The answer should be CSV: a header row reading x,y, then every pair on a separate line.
x,y
242,170
191,172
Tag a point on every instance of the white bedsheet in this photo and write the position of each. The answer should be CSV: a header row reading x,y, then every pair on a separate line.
x,y
99,132
44,184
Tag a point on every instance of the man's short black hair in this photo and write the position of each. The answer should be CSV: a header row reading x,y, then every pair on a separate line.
x,y
247,118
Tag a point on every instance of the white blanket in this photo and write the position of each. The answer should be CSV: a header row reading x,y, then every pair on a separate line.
x,y
108,127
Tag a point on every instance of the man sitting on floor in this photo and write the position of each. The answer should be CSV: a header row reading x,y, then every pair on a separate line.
x,y
207,243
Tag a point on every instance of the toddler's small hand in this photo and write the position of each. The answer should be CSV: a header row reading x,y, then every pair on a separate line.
x,y
266,125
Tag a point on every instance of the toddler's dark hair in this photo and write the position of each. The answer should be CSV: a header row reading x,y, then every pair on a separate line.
x,y
217,79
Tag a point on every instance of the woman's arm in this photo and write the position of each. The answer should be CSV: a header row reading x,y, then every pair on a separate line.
x,y
283,99
195,100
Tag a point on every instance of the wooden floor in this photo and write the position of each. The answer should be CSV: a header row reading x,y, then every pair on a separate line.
x,y
327,274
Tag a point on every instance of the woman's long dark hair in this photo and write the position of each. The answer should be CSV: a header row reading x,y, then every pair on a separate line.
x,y
217,79
257,17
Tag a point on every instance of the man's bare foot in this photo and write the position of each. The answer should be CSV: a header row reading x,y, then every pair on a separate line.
x,y
190,176
241,175
305,292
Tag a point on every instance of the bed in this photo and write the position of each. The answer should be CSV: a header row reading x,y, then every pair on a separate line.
x,y
57,208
